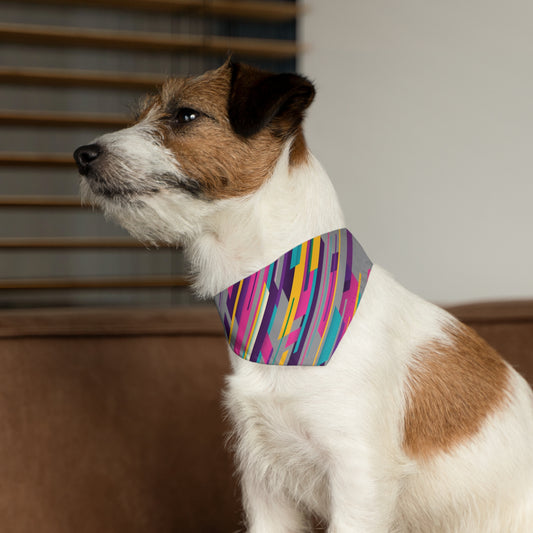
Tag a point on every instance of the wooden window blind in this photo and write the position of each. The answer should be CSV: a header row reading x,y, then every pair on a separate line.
x,y
70,70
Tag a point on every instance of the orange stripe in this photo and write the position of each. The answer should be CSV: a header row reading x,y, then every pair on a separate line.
x,y
235,307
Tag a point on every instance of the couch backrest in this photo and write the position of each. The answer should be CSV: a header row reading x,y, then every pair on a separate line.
x,y
507,326
111,420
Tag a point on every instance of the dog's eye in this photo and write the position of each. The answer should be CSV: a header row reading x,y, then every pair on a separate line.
x,y
185,115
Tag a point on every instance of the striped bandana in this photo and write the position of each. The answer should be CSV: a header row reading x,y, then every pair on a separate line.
x,y
296,310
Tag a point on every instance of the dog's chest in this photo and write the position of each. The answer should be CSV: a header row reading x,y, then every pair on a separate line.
x,y
276,437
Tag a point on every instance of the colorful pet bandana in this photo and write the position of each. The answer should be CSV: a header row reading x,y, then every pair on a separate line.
x,y
296,310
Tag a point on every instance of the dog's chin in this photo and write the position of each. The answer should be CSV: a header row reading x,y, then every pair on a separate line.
x,y
99,195
153,219
123,210
88,197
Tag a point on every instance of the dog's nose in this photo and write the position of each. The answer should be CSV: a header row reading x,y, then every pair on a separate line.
x,y
85,155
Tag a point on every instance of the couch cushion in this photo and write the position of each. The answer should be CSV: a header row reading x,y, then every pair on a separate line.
x,y
111,421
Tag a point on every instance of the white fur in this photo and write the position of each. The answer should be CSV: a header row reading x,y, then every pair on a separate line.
x,y
328,440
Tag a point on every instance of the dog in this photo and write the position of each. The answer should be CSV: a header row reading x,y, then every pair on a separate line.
x,y
414,424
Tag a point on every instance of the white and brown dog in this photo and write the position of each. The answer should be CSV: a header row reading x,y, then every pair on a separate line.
x,y
415,425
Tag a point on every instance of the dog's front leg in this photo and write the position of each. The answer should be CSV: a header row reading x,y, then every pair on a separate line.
x,y
362,494
267,512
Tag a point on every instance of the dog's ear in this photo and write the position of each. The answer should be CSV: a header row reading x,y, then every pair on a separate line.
x,y
258,99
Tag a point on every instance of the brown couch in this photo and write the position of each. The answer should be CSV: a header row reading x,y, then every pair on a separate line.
x,y
110,420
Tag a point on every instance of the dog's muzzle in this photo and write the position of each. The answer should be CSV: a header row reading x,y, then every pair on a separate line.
x,y
85,156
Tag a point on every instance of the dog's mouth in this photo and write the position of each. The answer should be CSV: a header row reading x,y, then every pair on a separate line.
x,y
106,176
107,186
124,178
98,185
95,188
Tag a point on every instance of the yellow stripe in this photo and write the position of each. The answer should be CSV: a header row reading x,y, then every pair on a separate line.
x,y
316,253
283,357
296,290
235,307
256,316
332,302
358,289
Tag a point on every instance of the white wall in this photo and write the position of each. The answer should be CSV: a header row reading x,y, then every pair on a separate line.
x,y
424,121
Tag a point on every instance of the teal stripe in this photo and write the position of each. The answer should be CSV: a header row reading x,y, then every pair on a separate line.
x,y
282,335
295,256
332,332
310,256
274,311
307,315
361,291
269,279
322,298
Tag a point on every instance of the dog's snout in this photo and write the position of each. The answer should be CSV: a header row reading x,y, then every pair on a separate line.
x,y
85,155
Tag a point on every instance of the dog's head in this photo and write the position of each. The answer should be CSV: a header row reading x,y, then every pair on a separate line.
x,y
198,141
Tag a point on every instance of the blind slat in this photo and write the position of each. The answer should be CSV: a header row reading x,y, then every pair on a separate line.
x,y
78,78
156,42
40,201
137,282
69,243
28,159
64,120
267,11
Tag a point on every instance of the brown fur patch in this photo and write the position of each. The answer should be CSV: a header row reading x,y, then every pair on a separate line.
x,y
451,391
222,163
299,153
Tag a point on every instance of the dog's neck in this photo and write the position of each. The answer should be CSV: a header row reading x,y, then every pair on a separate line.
x,y
245,234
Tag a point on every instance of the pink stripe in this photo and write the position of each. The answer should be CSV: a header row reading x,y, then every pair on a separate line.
x,y
257,287
292,337
266,349
312,310
303,304
347,307
325,267
348,302
327,308
246,312
331,296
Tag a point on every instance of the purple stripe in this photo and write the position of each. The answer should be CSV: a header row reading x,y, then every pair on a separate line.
x,y
296,357
319,296
242,298
334,262
349,259
288,275
271,305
